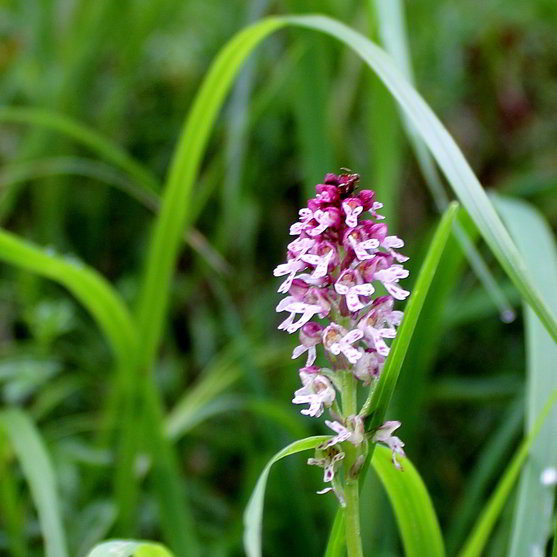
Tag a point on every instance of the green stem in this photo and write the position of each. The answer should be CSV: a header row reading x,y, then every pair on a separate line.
x,y
351,484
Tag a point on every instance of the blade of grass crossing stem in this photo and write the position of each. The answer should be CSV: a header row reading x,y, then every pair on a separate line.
x,y
415,515
106,149
56,166
90,288
532,522
128,548
253,515
389,376
393,365
39,473
447,154
476,541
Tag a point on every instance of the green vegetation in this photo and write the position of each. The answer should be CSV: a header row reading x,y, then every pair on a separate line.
x,y
144,387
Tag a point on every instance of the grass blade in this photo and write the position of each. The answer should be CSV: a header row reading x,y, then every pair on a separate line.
x,y
490,463
253,515
176,203
532,522
392,27
389,377
39,473
412,505
90,288
106,149
128,548
477,539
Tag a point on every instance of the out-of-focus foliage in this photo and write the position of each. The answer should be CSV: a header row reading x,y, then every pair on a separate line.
x,y
303,105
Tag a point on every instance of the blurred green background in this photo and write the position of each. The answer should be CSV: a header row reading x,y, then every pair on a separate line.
x,y
301,107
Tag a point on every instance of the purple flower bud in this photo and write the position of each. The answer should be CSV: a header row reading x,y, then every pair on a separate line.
x,y
367,198
327,193
311,334
331,179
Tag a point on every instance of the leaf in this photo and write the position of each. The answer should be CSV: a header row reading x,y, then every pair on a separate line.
x,y
128,548
88,286
477,539
176,203
106,149
39,473
532,522
414,512
253,515
389,376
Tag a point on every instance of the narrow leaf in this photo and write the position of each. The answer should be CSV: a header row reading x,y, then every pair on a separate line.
x,y
88,286
128,548
414,512
476,541
39,473
532,522
390,374
105,148
253,515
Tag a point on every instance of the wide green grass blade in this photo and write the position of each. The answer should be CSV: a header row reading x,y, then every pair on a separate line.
x,y
39,473
253,515
90,288
448,156
106,149
475,544
79,166
392,27
129,548
532,522
176,203
414,512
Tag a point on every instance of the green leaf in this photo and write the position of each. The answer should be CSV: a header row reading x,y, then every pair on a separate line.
x,y
106,149
128,548
176,204
414,512
389,376
39,473
89,287
253,515
477,539
532,522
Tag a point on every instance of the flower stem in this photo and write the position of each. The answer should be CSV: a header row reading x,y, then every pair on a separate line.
x,y
351,488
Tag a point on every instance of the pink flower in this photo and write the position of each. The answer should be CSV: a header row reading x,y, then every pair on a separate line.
x,y
337,340
310,337
317,391
350,284
354,432
384,434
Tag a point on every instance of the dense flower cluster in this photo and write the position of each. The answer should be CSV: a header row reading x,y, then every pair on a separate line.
x,y
334,266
